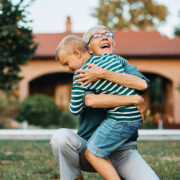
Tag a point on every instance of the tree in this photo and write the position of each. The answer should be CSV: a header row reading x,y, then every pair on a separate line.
x,y
130,14
16,42
177,29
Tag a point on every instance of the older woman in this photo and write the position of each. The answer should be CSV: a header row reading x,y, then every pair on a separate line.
x,y
69,147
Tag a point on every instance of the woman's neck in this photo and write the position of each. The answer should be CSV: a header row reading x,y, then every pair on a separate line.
x,y
86,56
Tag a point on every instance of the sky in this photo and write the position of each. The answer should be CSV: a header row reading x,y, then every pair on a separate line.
x,y
49,16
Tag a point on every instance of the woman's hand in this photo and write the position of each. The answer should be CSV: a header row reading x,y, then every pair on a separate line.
x,y
89,75
141,105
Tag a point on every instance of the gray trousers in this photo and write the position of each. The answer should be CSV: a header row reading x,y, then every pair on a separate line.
x,y
69,148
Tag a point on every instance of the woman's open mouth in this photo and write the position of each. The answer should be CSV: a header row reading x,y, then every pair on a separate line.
x,y
105,45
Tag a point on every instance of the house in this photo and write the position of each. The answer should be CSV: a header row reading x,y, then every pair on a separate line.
x,y
156,56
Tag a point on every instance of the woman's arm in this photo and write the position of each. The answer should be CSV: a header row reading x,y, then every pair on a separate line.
x,y
126,80
95,73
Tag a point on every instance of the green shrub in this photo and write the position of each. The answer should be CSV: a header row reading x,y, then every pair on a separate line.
x,y
148,123
67,120
39,110
9,104
3,101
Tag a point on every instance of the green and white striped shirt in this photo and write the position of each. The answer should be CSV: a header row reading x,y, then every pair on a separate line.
x,y
112,63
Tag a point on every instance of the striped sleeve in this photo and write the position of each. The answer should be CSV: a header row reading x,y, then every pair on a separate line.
x,y
77,97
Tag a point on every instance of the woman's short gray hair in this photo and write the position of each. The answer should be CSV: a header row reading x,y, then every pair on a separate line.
x,y
87,35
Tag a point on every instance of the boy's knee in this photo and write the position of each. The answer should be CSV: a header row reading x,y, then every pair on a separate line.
x,y
88,154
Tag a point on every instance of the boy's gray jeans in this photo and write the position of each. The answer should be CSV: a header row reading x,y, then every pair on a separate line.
x,y
69,148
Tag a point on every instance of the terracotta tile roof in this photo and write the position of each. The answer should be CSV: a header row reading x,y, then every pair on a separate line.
x,y
128,43
48,43
145,43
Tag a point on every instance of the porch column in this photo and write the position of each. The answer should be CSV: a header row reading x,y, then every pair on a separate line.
x,y
23,89
176,100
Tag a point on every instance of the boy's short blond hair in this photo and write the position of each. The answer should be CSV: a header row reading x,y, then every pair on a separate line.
x,y
69,43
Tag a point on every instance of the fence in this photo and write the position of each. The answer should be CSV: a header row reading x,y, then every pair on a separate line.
x,y
45,134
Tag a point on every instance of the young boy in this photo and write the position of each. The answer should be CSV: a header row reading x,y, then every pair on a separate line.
x,y
121,122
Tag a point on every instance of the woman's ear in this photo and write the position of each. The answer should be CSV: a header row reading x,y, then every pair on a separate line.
x,y
77,53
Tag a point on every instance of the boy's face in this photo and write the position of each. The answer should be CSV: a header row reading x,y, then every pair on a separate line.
x,y
70,61
103,45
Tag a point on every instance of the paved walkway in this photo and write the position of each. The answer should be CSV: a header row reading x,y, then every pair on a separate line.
x,y
45,134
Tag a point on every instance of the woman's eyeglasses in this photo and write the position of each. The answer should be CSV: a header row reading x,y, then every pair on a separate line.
x,y
100,35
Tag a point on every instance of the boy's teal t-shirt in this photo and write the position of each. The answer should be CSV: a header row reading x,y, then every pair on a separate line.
x,y
91,118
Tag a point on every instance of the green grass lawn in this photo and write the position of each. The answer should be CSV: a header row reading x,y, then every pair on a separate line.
x,y
33,160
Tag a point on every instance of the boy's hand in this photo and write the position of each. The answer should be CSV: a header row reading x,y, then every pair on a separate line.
x,y
89,75
142,107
